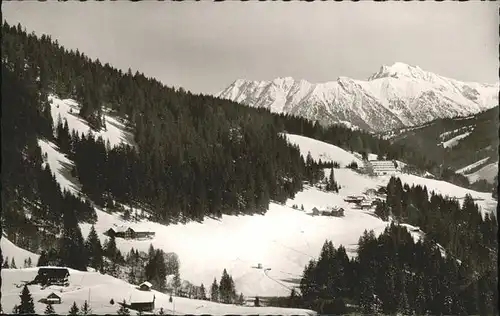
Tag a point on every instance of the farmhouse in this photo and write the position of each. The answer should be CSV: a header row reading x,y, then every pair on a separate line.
x,y
145,286
52,276
141,301
127,233
383,167
52,298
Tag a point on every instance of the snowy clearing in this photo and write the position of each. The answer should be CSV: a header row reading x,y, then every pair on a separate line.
x,y
60,166
454,141
471,166
102,288
321,150
116,132
12,251
487,173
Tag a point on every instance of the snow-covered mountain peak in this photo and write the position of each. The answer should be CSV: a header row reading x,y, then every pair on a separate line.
x,y
396,96
400,69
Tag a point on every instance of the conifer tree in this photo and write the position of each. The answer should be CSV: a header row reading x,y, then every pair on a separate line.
x,y
214,292
85,309
94,249
203,293
74,310
27,306
30,263
13,264
49,310
5,264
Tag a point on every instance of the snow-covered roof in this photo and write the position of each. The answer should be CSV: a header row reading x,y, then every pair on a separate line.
x,y
146,283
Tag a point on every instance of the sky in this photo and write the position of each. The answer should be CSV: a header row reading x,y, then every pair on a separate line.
x,y
205,46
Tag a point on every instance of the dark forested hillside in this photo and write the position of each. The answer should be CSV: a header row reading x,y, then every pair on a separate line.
x,y
480,143
453,271
195,155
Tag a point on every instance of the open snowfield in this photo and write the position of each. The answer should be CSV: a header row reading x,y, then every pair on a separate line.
x,y
60,166
68,109
283,240
102,288
321,150
12,251
487,173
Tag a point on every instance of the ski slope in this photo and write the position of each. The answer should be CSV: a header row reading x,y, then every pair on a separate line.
x,y
321,150
67,109
99,289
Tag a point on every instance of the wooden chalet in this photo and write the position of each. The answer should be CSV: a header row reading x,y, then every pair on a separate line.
x,y
52,298
141,301
52,276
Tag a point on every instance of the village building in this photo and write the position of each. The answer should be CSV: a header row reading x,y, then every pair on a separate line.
x,y
52,298
145,286
141,301
52,276
382,167
127,233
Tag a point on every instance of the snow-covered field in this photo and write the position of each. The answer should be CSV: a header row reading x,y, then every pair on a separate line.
x,y
68,109
12,251
454,141
321,150
487,173
102,288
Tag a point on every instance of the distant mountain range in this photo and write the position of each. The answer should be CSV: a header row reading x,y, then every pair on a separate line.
x,y
468,145
396,96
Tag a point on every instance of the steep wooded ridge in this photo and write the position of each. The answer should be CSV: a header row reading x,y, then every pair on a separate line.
x,y
468,145
396,96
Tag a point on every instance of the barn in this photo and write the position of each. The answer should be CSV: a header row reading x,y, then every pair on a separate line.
x,y
52,298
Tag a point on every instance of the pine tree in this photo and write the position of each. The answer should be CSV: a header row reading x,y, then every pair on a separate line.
x,y
49,310
27,306
13,264
94,249
74,310
5,264
30,263
85,309
214,292
177,281
203,293
123,310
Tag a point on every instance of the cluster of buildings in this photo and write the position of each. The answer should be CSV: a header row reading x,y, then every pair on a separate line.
x,y
329,211
128,233
142,299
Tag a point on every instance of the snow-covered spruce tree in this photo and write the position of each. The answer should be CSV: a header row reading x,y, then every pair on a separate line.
x,y
214,291
13,264
74,310
85,309
27,306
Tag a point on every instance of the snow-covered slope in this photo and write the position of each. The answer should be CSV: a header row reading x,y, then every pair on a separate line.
x,y
102,288
12,251
321,150
67,109
240,243
396,96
